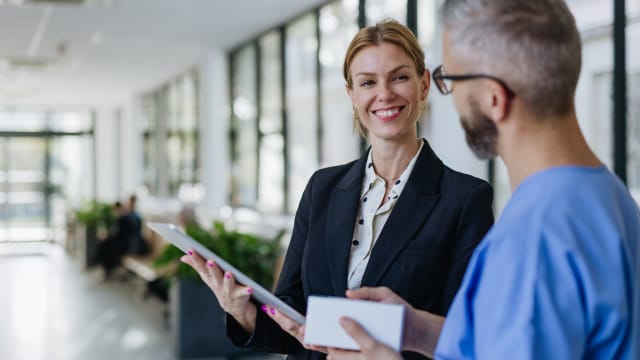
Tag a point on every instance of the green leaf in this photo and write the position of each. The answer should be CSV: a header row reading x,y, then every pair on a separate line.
x,y
256,257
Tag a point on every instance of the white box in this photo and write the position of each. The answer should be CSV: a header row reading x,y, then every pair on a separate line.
x,y
383,322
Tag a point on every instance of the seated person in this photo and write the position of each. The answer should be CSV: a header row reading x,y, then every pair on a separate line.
x,y
116,244
138,245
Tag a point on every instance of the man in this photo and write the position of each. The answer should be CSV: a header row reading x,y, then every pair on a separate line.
x,y
558,276
138,245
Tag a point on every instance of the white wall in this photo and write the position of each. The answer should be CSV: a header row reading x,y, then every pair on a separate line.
x,y
118,144
131,157
107,141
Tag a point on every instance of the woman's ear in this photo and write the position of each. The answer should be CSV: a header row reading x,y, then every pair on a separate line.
x,y
349,91
425,84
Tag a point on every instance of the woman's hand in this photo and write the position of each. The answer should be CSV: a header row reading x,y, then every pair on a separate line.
x,y
233,297
291,327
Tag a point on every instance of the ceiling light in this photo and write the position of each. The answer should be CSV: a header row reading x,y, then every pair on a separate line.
x,y
4,65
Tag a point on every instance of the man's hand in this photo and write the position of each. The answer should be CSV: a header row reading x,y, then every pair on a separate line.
x,y
421,329
369,347
379,294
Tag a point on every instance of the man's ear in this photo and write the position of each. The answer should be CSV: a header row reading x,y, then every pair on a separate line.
x,y
497,100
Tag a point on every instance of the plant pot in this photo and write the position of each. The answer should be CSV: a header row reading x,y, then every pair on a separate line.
x,y
85,245
197,322
91,243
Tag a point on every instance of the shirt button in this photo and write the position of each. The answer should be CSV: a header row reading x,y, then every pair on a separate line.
x,y
356,242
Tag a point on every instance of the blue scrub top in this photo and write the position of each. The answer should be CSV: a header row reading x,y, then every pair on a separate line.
x,y
557,277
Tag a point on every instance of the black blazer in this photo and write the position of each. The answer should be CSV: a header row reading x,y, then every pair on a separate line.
x,y
421,253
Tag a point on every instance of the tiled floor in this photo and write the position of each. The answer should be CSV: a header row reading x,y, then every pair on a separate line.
x,y
52,309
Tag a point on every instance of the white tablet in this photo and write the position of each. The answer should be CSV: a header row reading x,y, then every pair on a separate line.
x,y
184,242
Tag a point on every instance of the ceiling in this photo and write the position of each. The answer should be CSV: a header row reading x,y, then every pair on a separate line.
x,y
103,52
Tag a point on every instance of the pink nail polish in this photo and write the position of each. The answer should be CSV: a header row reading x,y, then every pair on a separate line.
x,y
209,264
190,252
264,308
272,311
249,290
227,275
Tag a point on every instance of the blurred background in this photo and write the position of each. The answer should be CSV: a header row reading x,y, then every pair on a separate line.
x,y
205,111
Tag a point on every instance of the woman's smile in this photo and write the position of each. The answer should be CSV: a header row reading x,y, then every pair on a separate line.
x,y
388,114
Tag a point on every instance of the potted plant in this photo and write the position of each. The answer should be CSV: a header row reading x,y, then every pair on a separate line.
x,y
198,328
96,218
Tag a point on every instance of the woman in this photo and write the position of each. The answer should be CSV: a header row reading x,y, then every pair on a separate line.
x,y
397,217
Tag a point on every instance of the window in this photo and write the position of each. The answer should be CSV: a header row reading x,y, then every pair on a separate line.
x,y
244,171
633,132
150,111
301,99
338,25
377,10
170,136
271,169
182,133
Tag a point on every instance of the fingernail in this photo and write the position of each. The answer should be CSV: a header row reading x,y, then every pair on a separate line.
x,y
210,264
249,290
227,275
272,311
264,308
190,252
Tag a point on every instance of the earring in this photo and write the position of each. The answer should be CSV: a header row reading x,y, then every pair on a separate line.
x,y
356,116
423,105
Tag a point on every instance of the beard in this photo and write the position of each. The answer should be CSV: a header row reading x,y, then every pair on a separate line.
x,y
481,133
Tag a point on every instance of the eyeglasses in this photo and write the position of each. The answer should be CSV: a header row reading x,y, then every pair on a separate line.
x,y
443,82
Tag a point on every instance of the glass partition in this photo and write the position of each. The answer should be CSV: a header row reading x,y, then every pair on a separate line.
x,y
46,168
23,209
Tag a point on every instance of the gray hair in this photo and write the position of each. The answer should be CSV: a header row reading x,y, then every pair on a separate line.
x,y
532,45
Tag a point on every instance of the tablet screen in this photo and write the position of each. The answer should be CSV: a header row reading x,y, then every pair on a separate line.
x,y
184,242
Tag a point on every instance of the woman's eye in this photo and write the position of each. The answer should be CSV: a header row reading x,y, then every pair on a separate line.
x,y
401,77
366,83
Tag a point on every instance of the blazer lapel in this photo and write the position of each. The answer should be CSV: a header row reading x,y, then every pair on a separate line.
x,y
417,200
341,218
